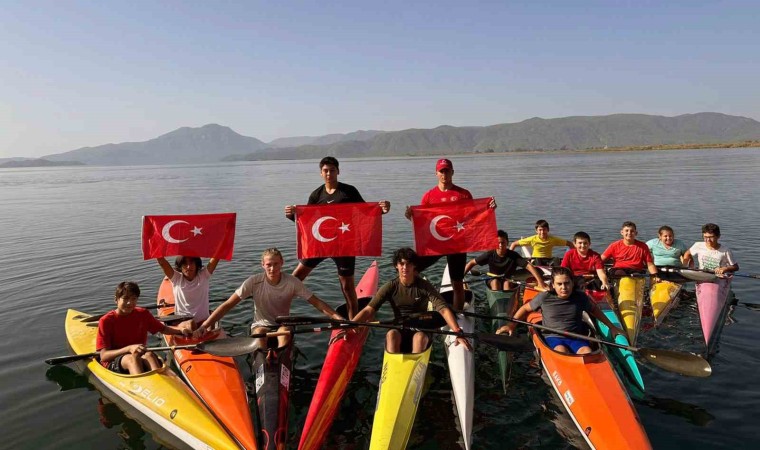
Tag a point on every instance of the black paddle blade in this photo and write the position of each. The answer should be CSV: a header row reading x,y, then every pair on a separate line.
x,y
234,346
683,363
505,342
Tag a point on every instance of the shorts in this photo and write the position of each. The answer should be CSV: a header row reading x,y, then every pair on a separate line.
x,y
546,262
573,344
345,264
456,264
115,365
407,337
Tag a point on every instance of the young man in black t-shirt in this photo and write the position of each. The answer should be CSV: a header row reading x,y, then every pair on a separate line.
x,y
503,261
334,192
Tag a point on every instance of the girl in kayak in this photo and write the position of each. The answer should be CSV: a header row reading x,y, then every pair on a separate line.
x,y
408,294
190,282
562,308
710,254
123,334
667,251
503,261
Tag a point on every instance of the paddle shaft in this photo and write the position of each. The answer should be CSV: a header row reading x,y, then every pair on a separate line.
x,y
97,317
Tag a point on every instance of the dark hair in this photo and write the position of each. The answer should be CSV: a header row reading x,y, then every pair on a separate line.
x,y
126,288
328,160
404,253
711,228
665,228
542,223
581,235
628,223
558,271
502,234
181,260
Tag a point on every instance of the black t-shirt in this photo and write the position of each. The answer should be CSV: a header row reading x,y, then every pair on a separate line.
x,y
566,315
501,265
408,299
344,193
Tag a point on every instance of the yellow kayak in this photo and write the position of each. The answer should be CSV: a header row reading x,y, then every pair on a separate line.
x,y
160,395
630,303
401,384
664,297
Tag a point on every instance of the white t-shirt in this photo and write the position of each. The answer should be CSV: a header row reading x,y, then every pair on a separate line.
x,y
271,301
191,297
710,259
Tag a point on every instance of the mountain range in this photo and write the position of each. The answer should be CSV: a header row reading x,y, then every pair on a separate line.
x,y
213,143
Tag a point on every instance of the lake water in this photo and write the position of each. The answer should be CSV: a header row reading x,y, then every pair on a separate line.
x,y
69,235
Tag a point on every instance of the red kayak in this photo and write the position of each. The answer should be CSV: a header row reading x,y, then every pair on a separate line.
x,y
340,363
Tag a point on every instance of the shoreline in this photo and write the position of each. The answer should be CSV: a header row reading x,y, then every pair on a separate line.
x,y
632,148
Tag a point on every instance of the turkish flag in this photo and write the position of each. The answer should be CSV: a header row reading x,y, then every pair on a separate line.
x,y
342,229
206,235
459,227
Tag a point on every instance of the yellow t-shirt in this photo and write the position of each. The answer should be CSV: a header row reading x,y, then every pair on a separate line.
x,y
542,249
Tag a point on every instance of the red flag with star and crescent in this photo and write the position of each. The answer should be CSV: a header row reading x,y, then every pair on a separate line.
x,y
448,228
341,229
202,235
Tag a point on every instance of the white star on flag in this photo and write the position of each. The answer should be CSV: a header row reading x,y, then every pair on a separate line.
x,y
196,231
344,227
460,226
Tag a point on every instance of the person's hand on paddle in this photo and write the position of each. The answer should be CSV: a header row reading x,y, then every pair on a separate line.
x,y
136,349
605,286
200,332
508,329
385,205
461,340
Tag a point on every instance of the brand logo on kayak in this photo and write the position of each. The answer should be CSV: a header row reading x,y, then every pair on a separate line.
x,y
419,381
285,377
383,377
259,378
557,378
569,399
147,394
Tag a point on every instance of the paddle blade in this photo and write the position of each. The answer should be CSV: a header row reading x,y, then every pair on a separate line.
x,y
234,346
683,363
505,342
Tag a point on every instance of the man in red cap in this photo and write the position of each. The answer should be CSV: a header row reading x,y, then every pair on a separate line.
x,y
446,192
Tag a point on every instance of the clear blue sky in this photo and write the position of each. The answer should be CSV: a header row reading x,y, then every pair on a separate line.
x,y
86,73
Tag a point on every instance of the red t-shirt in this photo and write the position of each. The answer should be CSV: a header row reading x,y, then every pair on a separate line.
x,y
635,256
580,265
454,194
116,331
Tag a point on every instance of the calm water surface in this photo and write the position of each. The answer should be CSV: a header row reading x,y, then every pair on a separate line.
x,y
69,235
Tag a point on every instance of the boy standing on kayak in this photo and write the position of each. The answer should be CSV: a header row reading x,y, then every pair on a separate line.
x,y
543,243
334,191
562,308
630,255
408,294
447,192
667,251
710,254
123,334
504,262
584,262
190,284
272,293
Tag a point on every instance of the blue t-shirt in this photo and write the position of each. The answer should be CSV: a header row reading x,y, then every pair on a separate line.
x,y
667,256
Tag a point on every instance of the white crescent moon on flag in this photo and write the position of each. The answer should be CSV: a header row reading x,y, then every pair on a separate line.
x,y
166,232
315,229
434,225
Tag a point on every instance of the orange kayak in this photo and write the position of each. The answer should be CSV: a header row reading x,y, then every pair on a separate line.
x,y
216,379
591,393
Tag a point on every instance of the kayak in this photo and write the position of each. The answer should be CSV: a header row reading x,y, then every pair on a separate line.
x,y
712,302
630,303
461,361
621,358
664,297
272,370
502,303
592,394
339,366
159,395
215,379
401,383
527,253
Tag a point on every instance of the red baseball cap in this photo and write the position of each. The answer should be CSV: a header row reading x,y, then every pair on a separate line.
x,y
443,164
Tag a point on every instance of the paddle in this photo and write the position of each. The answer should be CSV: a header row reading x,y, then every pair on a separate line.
x,y
690,274
97,317
480,278
506,343
682,363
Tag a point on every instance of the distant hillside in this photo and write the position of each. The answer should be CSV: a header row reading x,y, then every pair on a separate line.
x,y
328,139
210,143
568,133
38,163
